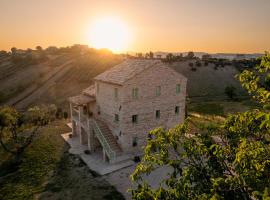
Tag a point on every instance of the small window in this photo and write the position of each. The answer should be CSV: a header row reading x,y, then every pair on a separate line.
x,y
135,93
116,118
157,114
135,119
98,110
115,93
177,110
134,141
97,87
178,89
84,110
158,91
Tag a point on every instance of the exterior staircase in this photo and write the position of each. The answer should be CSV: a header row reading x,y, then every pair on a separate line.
x,y
107,140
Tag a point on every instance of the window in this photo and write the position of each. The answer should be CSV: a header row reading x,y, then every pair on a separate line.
x,y
98,110
116,118
135,93
135,119
134,142
176,110
115,93
157,114
84,110
158,91
97,87
178,88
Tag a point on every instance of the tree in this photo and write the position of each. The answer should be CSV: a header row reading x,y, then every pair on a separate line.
x,y
39,48
169,57
230,91
17,130
198,63
206,57
139,55
13,50
190,55
231,161
151,54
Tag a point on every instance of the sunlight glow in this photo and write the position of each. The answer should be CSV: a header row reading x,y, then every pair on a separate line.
x,y
110,33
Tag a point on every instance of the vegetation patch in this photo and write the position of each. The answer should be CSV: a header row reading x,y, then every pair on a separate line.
x,y
207,108
48,171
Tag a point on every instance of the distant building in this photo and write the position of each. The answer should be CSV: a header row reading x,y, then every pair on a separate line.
x,y
117,112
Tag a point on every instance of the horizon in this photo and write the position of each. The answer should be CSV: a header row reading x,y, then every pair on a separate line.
x,y
176,26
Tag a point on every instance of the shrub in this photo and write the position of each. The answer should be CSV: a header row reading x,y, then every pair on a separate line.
x,y
137,159
65,114
88,152
190,64
198,63
193,69
59,113
230,91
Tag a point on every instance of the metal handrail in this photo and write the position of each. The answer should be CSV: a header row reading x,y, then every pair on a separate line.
x,y
103,140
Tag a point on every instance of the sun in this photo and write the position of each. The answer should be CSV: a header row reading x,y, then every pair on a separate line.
x,y
110,33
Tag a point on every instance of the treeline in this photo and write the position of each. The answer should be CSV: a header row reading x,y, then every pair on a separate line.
x,y
240,64
38,55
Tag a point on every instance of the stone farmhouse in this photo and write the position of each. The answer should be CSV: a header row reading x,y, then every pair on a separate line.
x,y
116,113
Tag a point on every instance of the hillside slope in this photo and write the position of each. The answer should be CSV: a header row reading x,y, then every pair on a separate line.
x,y
208,82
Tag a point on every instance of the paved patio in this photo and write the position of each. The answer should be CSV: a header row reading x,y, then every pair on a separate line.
x,y
117,175
94,160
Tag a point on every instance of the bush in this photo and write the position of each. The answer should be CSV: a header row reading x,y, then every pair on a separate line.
x,y
191,64
193,69
88,152
59,113
137,159
198,63
65,114
230,91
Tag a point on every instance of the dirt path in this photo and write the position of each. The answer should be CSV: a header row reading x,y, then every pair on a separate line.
x,y
25,98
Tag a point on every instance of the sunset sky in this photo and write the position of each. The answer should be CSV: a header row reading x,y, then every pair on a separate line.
x,y
236,26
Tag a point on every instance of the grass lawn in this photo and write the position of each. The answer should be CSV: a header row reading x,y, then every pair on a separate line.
x,y
49,172
207,108
221,107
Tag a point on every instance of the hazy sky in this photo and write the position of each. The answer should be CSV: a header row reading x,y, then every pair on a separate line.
x,y
165,25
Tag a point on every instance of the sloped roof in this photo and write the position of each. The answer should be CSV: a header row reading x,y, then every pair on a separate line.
x,y
125,70
81,99
90,91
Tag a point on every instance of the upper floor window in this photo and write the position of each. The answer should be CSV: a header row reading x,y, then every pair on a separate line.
x,y
116,118
135,93
115,93
176,110
97,87
158,91
157,114
134,119
178,89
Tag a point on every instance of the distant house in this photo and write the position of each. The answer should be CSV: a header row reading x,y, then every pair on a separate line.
x,y
117,112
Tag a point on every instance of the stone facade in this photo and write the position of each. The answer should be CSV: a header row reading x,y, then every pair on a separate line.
x,y
148,98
